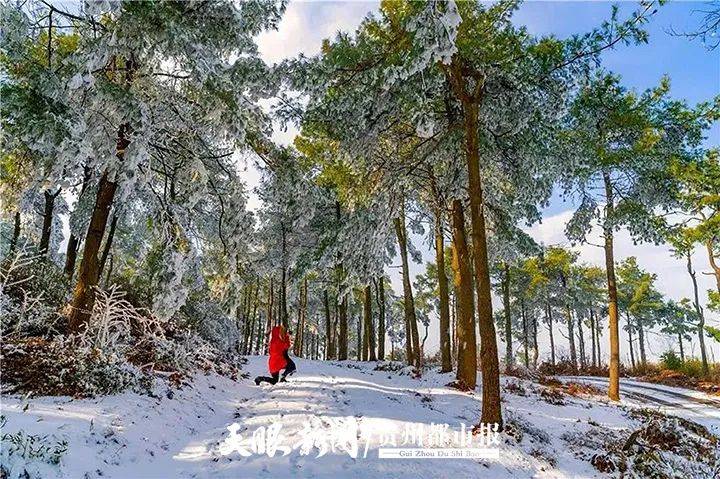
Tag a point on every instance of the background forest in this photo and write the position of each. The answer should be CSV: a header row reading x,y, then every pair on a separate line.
x,y
129,251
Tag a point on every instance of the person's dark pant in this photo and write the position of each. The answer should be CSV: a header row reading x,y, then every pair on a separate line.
x,y
289,369
268,379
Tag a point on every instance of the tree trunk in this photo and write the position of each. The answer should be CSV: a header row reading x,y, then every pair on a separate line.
x,y
570,325
571,336
108,244
109,270
699,311
328,327
334,329
641,342
491,408
581,342
302,313
598,330
592,338
71,256
536,351
364,327
44,245
359,338
526,359
380,296
682,351
343,330
630,342
445,360
453,326
253,317
412,340
270,320
16,234
550,329
88,274
614,369
297,343
508,318
342,340
283,310
74,242
369,329
467,348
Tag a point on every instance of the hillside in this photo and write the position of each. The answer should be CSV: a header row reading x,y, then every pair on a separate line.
x,y
178,433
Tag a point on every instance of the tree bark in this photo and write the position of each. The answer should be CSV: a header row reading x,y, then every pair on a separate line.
x,y
598,329
108,244
269,320
630,342
84,296
462,279
508,318
16,234
682,351
453,325
699,310
300,339
342,340
46,231
359,338
526,359
253,318
445,360
380,296
592,338
71,256
368,319
328,327
550,329
581,342
412,340
491,407
570,325
110,270
641,342
614,369
88,274
536,351
74,242
283,281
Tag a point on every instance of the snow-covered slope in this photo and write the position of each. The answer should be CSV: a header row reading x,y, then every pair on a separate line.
x,y
695,406
178,433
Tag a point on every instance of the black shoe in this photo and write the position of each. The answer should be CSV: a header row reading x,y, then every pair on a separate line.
x,y
283,380
257,381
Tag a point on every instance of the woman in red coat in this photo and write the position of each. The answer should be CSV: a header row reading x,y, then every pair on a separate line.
x,y
279,358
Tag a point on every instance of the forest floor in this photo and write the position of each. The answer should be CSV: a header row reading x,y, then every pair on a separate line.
x,y
556,431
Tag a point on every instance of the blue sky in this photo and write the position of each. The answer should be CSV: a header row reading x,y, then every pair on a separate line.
x,y
694,73
694,70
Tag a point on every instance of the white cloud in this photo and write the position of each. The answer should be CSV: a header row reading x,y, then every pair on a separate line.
x,y
306,24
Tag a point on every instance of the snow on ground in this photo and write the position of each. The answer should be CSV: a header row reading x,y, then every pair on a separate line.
x,y
695,406
178,433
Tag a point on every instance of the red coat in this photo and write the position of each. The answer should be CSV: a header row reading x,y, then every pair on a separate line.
x,y
279,343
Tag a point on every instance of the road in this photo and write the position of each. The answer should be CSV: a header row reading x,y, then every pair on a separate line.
x,y
686,403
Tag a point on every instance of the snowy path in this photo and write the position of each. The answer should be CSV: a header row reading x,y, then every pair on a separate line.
x,y
177,433
686,403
